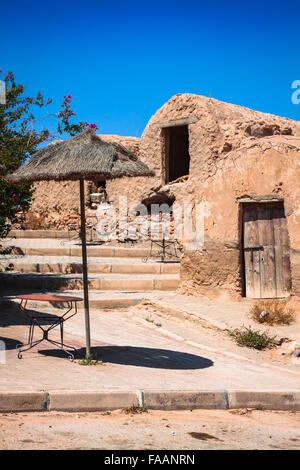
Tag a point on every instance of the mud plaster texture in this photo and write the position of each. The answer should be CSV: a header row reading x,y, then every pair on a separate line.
x,y
56,205
235,153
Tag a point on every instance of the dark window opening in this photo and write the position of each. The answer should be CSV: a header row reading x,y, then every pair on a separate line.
x,y
177,152
101,184
162,199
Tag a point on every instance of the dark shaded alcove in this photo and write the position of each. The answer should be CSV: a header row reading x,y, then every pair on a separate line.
x,y
177,152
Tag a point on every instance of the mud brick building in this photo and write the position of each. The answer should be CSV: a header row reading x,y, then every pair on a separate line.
x,y
243,165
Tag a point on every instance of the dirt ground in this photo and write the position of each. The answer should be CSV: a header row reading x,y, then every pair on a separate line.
x,y
157,430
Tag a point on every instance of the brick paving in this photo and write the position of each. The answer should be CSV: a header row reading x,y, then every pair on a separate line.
x,y
135,355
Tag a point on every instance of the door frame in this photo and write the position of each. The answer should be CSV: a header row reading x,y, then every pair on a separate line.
x,y
242,202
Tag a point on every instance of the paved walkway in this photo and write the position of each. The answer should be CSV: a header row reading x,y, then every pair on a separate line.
x,y
221,314
135,355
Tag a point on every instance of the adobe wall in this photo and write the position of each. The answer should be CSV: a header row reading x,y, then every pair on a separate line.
x,y
266,169
215,129
234,152
56,203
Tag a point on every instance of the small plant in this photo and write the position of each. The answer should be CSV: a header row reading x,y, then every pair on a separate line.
x,y
89,361
244,336
260,407
272,312
152,321
149,320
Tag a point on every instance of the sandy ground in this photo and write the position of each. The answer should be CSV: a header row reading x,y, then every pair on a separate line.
x,y
160,430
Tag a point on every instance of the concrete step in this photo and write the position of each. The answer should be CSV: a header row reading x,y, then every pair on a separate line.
x,y
107,282
53,247
55,234
103,299
71,265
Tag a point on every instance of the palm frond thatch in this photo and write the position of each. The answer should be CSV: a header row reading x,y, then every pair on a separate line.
x,y
84,156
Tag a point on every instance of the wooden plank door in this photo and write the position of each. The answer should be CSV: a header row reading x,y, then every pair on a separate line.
x,y
282,251
251,251
266,250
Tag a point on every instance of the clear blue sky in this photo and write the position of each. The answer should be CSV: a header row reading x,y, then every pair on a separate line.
x,y
122,60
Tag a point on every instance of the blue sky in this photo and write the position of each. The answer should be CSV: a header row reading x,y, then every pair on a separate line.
x,y
121,61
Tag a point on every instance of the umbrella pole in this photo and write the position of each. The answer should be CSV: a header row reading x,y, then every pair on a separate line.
x,y
84,270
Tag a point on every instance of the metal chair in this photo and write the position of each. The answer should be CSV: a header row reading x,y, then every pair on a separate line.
x,y
41,320
160,236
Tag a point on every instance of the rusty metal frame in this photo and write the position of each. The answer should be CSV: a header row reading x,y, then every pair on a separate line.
x,y
54,321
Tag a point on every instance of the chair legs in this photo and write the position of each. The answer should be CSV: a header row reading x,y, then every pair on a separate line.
x,y
164,245
31,332
25,347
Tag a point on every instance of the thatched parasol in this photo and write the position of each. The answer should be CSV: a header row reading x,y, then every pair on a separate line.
x,y
83,157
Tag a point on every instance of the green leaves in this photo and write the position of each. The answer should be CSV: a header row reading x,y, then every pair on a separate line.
x,y
250,338
20,138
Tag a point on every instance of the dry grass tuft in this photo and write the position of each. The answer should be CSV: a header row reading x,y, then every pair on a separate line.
x,y
134,409
272,312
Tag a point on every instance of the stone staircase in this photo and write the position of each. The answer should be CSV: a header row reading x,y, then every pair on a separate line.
x,y
117,275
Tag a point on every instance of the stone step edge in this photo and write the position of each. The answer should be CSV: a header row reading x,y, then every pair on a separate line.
x,y
92,276
45,282
102,251
94,268
105,303
88,400
56,234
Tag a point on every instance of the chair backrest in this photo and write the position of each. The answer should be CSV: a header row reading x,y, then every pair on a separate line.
x,y
161,226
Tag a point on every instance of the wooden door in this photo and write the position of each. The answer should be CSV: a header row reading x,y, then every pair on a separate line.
x,y
266,250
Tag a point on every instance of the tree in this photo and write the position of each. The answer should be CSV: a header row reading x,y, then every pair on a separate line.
x,y
20,138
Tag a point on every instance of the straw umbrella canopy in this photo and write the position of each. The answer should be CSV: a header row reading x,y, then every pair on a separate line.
x,y
82,157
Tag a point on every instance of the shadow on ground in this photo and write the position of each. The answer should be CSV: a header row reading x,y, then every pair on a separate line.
x,y
10,343
141,357
14,317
